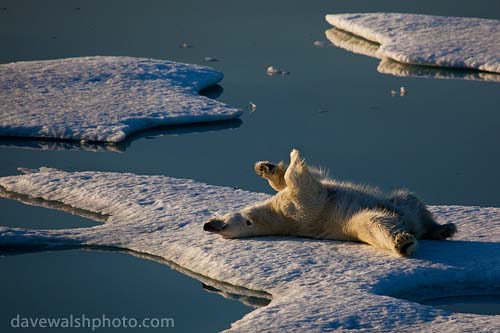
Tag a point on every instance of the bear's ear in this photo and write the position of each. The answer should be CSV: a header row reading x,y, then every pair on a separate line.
x,y
214,225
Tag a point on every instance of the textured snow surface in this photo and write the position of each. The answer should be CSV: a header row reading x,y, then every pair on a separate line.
x,y
316,286
104,98
459,42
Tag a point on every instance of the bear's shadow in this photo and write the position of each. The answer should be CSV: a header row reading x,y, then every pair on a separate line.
x,y
447,252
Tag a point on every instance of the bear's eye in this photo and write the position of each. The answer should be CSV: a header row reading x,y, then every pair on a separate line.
x,y
249,222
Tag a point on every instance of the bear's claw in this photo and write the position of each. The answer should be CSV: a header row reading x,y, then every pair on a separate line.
x,y
405,244
264,169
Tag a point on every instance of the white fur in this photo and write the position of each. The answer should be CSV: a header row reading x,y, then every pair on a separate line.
x,y
310,204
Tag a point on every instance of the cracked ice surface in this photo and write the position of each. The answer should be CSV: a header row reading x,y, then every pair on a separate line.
x,y
316,285
460,42
104,98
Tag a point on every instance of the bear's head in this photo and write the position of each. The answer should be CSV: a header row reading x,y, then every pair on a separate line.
x,y
256,220
235,225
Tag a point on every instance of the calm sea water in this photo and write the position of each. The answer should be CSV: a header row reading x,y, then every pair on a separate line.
x,y
477,304
440,140
112,284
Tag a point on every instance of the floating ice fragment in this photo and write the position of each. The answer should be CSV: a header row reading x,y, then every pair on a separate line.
x,y
443,41
210,59
272,71
104,99
253,106
402,91
185,45
322,44
360,45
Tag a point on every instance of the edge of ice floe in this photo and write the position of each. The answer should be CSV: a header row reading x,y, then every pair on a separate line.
x,y
310,291
479,62
128,125
359,45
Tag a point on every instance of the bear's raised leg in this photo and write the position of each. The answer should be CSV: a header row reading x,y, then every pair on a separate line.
x,y
305,190
383,230
274,173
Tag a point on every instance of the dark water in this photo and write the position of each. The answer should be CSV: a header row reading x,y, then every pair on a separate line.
x,y
18,215
477,304
96,283
440,140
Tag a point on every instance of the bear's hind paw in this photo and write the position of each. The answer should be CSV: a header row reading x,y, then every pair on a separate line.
x,y
405,244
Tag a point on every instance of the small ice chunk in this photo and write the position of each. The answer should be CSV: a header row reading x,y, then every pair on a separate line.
x,y
272,71
253,106
185,45
210,59
322,44
402,91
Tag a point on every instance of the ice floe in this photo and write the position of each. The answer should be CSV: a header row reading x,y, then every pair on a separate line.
x,y
117,147
444,42
104,99
316,285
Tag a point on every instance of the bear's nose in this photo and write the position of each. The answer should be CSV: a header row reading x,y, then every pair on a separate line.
x,y
214,225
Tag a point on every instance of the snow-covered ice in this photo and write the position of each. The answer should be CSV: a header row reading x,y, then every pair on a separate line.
x,y
316,285
456,42
104,98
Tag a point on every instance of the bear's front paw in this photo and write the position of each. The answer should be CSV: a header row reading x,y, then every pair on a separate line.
x,y
264,169
405,244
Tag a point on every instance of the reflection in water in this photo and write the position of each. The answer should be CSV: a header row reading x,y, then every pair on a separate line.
x,y
252,301
213,92
353,43
92,282
56,144
389,66
356,44
252,298
248,297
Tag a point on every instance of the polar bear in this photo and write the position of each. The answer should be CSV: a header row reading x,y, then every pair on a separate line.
x,y
310,204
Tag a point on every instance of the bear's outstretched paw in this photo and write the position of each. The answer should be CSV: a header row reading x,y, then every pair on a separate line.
x,y
265,169
447,230
405,244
